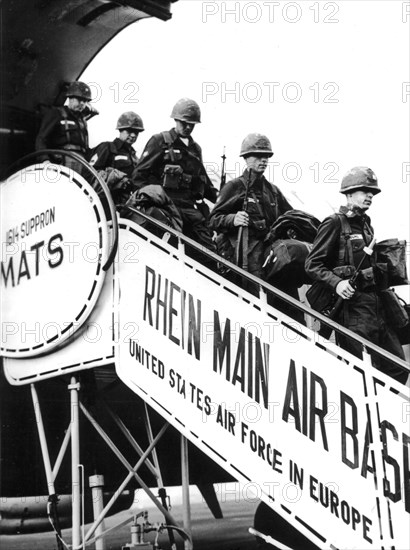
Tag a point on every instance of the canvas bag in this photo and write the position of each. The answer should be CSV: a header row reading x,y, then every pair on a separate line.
x,y
285,262
393,252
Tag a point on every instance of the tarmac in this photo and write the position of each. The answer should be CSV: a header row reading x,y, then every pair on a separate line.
x,y
208,533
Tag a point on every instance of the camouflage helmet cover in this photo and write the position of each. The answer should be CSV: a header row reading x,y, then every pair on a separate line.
x,y
79,90
186,110
360,177
256,144
130,120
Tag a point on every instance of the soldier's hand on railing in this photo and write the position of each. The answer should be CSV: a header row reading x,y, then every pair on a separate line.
x,y
241,218
345,290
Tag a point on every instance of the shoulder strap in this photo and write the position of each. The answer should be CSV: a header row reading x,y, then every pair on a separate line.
x,y
273,188
345,246
170,143
63,114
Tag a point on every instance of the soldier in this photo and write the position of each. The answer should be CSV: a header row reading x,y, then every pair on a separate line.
x,y
246,208
174,160
66,127
118,158
249,201
337,250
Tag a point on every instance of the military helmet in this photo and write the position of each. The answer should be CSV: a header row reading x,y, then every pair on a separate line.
x,y
360,177
80,90
130,120
256,144
186,110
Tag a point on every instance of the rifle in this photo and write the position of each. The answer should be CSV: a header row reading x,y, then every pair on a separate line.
x,y
242,242
333,311
223,172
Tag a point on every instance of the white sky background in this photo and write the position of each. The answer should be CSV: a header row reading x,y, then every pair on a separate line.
x,y
328,89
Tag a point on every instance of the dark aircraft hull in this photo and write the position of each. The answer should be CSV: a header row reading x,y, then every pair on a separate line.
x,y
37,61
46,45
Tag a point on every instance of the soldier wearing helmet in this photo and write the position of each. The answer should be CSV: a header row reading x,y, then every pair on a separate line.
x,y
66,127
174,160
337,251
249,201
118,158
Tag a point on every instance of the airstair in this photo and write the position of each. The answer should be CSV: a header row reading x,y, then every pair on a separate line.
x,y
320,435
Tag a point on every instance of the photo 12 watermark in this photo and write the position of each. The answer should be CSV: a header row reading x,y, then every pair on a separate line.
x,y
270,92
117,92
270,12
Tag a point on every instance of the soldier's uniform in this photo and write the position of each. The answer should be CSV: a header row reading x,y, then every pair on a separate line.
x,y
187,182
120,156
262,201
363,313
63,128
265,203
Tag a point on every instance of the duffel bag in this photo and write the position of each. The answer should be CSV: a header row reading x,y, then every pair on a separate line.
x,y
284,262
393,252
303,225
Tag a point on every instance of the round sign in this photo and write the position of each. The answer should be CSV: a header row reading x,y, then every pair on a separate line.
x,y
54,244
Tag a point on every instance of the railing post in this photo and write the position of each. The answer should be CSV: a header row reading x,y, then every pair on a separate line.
x,y
53,499
97,484
186,505
75,461
385,539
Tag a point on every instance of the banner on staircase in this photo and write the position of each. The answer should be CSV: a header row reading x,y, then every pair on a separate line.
x,y
321,438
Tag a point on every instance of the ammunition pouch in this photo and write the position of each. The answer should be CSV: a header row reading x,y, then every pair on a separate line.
x,y
172,176
258,226
371,279
186,180
175,179
344,271
366,281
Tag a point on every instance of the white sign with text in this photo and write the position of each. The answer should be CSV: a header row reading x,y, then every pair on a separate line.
x,y
54,245
265,402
